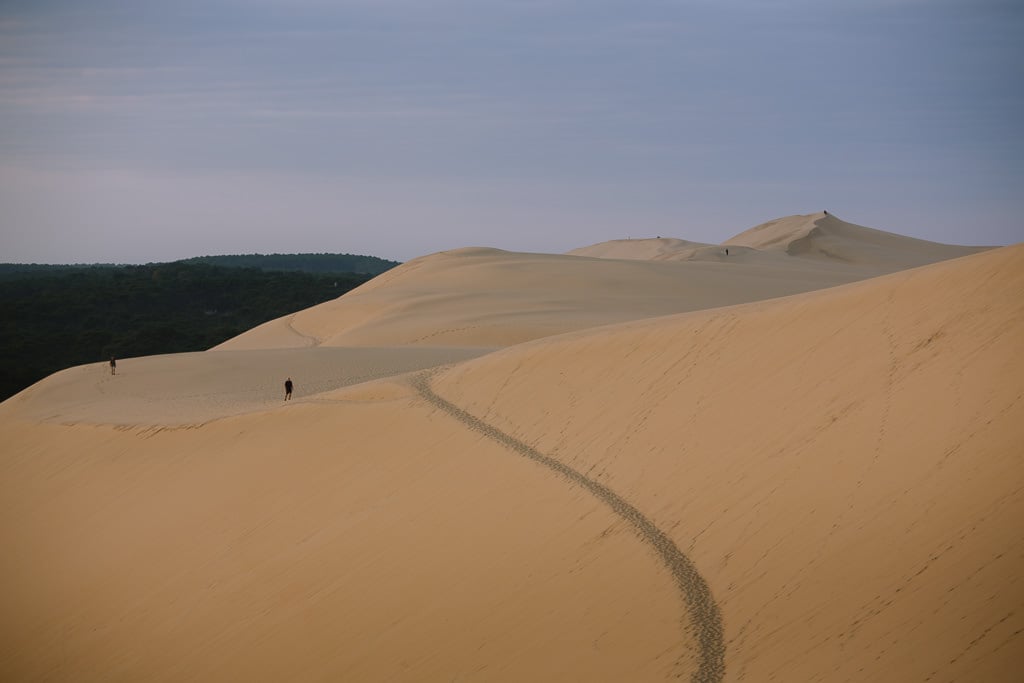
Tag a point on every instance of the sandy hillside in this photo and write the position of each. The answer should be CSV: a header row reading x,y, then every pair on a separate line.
x,y
491,298
826,486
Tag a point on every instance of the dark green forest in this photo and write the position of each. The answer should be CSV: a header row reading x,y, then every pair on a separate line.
x,y
309,263
54,317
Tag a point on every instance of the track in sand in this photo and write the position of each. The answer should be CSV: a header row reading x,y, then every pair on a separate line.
x,y
704,615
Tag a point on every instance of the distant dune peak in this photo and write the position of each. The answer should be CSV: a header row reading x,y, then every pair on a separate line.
x,y
825,236
778,233
820,237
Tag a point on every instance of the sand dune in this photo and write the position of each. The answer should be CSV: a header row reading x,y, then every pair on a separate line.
x,y
843,466
648,249
824,236
819,236
491,298
824,486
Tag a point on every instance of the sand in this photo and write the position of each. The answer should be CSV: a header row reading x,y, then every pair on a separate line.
x,y
195,388
820,484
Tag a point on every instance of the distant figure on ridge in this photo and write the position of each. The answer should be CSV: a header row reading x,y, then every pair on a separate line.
x,y
113,366
288,389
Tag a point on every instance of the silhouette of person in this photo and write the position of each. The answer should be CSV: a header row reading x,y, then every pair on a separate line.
x,y
726,252
113,366
288,389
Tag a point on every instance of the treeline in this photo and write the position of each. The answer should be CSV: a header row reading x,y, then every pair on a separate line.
x,y
70,316
309,263
16,271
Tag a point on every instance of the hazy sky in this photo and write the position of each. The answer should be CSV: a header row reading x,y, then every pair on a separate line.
x,y
135,131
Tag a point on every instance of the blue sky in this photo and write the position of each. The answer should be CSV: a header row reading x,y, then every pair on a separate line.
x,y
137,131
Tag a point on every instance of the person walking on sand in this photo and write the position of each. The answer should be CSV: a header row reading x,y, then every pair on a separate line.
x,y
113,365
288,389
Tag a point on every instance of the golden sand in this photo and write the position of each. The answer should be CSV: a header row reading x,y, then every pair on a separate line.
x,y
508,467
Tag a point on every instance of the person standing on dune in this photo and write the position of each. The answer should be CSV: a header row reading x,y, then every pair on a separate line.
x,y
288,389
113,366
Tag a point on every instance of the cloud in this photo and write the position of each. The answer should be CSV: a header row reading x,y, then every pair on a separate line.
x,y
654,107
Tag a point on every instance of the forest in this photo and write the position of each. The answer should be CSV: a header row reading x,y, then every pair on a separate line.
x,y
308,263
54,317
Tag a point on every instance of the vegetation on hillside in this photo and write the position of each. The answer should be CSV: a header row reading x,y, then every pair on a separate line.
x,y
53,319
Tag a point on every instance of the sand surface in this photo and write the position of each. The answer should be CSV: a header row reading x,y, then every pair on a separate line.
x,y
644,249
822,486
194,388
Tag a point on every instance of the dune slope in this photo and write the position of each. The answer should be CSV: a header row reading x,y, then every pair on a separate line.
x,y
843,466
362,536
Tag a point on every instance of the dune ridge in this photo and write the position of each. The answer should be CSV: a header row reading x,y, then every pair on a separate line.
x,y
491,298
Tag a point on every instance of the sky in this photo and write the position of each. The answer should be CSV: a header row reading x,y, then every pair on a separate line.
x,y
136,131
